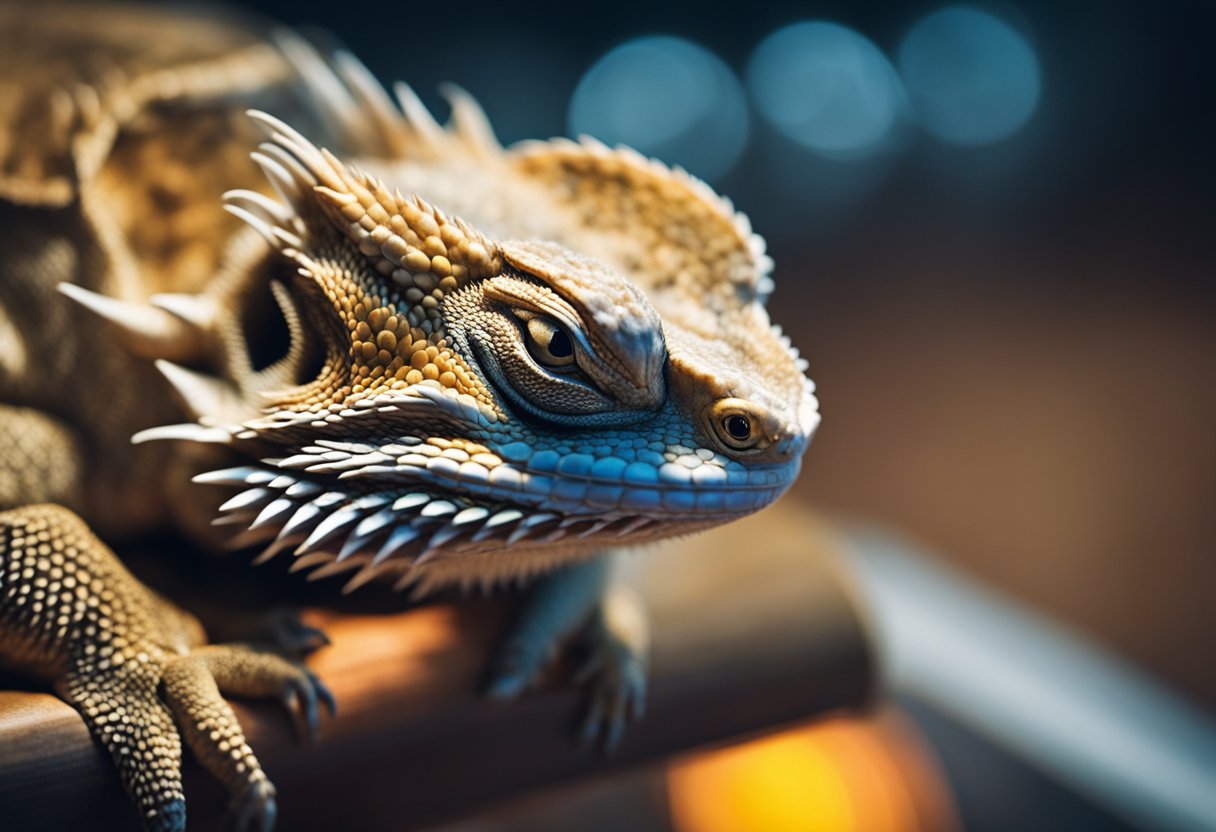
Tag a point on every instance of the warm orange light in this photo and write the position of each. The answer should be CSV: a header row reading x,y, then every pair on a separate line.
x,y
872,774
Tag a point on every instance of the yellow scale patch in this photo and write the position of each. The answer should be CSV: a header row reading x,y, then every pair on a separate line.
x,y
387,352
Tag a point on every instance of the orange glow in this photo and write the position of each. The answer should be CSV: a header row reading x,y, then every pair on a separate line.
x,y
873,774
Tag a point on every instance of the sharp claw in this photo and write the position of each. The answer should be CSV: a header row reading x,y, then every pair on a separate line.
x,y
614,730
244,816
312,719
591,723
506,685
291,701
637,705
270,813
326,696
263,811
258,809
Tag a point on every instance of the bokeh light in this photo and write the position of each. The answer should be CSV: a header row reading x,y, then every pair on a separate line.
x,y
972,78
827,88
668,98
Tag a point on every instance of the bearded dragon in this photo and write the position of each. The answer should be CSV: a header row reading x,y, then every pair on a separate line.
x,y
503,366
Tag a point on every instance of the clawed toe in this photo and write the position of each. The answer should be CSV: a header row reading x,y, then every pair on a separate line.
x,y
618,696
301,696
255,810
514,671
287,634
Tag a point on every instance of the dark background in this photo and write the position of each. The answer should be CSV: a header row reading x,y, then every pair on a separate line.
x,y
1014,344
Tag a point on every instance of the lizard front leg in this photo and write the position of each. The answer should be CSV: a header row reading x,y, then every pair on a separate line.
x,y
581,601
70,612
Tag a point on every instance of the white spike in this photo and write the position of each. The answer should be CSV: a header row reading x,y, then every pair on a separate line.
x,y
324,88
290,140
283,173
400,537
305,518
470,515
190,431
355,542
373,102
252,498
200,311
300,461
444,534
528,524
146,330
410,501
303,488
265,230
374,523
438,508
243,475
329,528
206,397
274,512
272,211
496,524
419,117
470,122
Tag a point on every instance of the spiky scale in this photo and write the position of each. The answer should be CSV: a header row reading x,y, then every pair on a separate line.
x,y
397,540
330,527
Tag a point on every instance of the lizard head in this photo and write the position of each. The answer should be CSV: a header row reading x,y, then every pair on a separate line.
x,y
463,403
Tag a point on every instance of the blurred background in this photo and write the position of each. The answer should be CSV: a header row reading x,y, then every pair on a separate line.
x,y
995,235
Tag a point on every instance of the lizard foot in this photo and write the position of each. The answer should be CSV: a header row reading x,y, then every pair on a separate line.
x,y
279,628
255,810
136,667
517,667
617,637
615,671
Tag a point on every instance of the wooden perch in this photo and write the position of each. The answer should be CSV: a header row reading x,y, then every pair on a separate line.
x,y
755,627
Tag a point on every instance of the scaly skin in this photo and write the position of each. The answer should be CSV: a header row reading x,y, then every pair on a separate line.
x,y
74,615
537,357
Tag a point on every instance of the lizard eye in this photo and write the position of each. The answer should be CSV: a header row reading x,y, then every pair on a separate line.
x,y
549,344
735,427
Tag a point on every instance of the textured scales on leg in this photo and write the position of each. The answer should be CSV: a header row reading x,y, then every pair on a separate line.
x,y
72,614
581,604
557,607
193,685
616,667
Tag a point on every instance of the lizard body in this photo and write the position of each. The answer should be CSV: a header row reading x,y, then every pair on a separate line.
x,y
501,363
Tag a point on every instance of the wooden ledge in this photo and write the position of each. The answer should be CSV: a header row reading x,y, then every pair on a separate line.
x,y
755,628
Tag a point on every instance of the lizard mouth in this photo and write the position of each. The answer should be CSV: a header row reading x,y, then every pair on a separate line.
x,y
420,515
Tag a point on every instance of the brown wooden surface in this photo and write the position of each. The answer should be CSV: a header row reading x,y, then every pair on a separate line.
x,y
755,627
